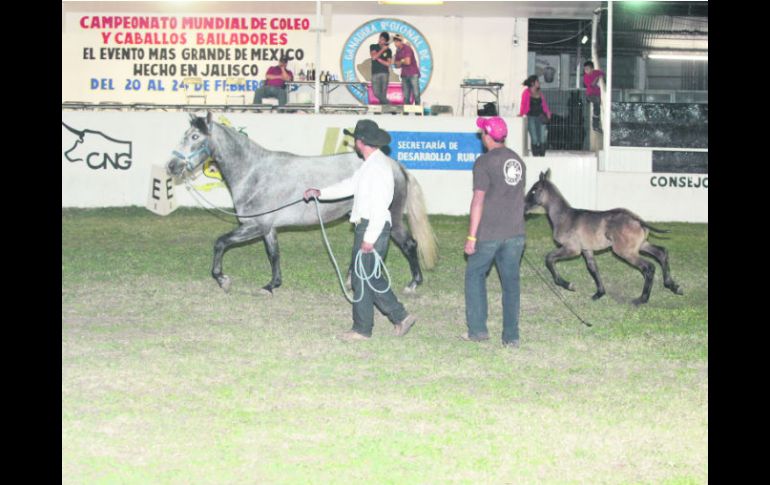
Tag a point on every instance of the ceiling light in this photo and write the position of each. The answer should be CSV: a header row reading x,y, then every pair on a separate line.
x,y
680,57
584,39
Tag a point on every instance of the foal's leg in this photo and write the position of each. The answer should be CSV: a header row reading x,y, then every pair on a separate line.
x,y
594,270
561,253
239,235
408,246
647,269
660,253
274,255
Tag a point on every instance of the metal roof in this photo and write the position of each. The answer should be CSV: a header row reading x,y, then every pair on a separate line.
x,y
638,28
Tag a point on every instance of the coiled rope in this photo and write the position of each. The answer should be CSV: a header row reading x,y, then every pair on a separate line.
x,y
358,265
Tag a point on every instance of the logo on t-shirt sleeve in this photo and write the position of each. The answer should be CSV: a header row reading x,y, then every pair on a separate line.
x,y
512,171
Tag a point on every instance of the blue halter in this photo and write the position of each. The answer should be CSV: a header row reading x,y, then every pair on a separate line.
x,y
188,159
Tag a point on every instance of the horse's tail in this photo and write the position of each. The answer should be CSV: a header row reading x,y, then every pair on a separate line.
x,y
652,228
427,248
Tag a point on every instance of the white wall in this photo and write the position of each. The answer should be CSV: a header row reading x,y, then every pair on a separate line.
x,y
627,159
642,194
154,135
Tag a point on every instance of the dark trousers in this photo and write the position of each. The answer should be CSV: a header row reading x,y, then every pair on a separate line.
x,y
410,85
268,91
387,303
596,102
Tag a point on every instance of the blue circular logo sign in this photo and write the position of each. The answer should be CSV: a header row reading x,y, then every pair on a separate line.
x,y
354,58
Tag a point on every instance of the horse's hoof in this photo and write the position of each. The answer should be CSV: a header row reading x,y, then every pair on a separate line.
x,y
639,301
410,290
597,295
676,289
225,283
265,291
570,287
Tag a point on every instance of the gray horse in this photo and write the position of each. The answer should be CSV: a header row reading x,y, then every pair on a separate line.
x,y
585,231
261,180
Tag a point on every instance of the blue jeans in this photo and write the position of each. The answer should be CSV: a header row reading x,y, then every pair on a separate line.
x,y
267,91
538,131
410,85
507,255
380,86
387,303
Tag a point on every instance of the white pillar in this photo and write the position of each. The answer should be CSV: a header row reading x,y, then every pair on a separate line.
x,y
640,80
607,100
564,72
319,24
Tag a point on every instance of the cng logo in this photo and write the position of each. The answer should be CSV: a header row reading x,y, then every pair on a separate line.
x,y
99,151
356,62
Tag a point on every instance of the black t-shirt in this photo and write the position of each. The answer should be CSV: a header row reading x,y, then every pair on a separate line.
x,y
378,68
535,106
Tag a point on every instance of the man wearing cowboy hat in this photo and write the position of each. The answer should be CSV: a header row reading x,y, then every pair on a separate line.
x,y
372,189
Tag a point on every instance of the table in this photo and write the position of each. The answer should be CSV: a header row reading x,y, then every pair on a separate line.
x,y
333,85
493,88
328,86
299,84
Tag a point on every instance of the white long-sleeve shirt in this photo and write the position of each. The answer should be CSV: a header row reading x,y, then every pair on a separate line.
x,y
372,189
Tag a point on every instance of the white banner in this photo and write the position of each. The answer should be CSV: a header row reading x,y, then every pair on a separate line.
x,y
144,58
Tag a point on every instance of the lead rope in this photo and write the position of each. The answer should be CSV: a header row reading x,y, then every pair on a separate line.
x,y
554,291
199,197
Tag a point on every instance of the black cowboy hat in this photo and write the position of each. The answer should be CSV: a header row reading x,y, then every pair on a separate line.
x,y
368,132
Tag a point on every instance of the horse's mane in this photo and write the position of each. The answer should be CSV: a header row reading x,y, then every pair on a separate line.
x,y
555,192
250,145
240,139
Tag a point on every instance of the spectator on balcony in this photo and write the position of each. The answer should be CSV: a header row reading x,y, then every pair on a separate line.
x,y
410,71
275,83
535,108
591,79
382,58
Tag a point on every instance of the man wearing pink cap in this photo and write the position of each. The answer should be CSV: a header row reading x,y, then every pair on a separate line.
x,y
496,232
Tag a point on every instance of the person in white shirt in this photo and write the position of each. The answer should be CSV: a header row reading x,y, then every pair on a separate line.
x,y
372,189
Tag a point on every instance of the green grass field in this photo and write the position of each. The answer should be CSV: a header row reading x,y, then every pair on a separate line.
x,y
166,379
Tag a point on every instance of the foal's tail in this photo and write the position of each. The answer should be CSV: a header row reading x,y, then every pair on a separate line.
x,y
654,229
419,223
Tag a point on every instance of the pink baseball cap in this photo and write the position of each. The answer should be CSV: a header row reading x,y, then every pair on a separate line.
x,y
494,127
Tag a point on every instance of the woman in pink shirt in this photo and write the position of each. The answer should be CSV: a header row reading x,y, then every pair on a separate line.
x,y
534,107
591,79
